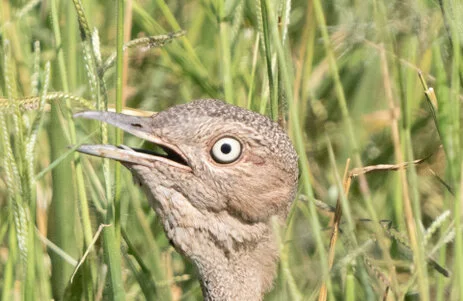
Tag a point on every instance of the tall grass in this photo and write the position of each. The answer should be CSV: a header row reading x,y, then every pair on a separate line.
x,y
376,84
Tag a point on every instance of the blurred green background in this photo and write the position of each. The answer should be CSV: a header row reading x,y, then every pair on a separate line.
x,y
343,77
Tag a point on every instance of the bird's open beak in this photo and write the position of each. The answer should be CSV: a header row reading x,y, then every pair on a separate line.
x,y
141,127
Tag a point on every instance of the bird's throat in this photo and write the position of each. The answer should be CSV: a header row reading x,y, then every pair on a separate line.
x,y
231,266
243,275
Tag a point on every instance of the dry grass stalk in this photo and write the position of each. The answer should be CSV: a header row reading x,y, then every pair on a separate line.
x,y
336,223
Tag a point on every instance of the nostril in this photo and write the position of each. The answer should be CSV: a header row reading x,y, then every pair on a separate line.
x,y
136,125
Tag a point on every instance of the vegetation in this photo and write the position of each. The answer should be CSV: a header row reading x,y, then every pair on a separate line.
x,y
366,90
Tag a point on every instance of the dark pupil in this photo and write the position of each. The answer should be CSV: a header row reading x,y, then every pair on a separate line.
x,y
225,148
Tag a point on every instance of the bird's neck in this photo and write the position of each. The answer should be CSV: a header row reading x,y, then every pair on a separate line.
x,y
246,273
236,260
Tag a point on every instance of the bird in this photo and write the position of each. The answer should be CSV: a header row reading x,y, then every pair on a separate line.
x,y
226,174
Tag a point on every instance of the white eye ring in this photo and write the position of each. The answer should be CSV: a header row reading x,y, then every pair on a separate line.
x,y
226,150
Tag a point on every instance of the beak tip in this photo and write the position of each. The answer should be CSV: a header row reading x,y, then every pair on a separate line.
x,y
85,114
81,149
89,149
78,115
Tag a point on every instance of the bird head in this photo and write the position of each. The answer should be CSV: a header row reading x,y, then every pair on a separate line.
x,y
224,165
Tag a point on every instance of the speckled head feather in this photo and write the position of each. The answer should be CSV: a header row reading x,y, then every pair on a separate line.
x,y
269,133
267,153
215,212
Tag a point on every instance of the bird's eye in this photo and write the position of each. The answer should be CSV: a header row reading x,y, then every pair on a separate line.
x,y
226,150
